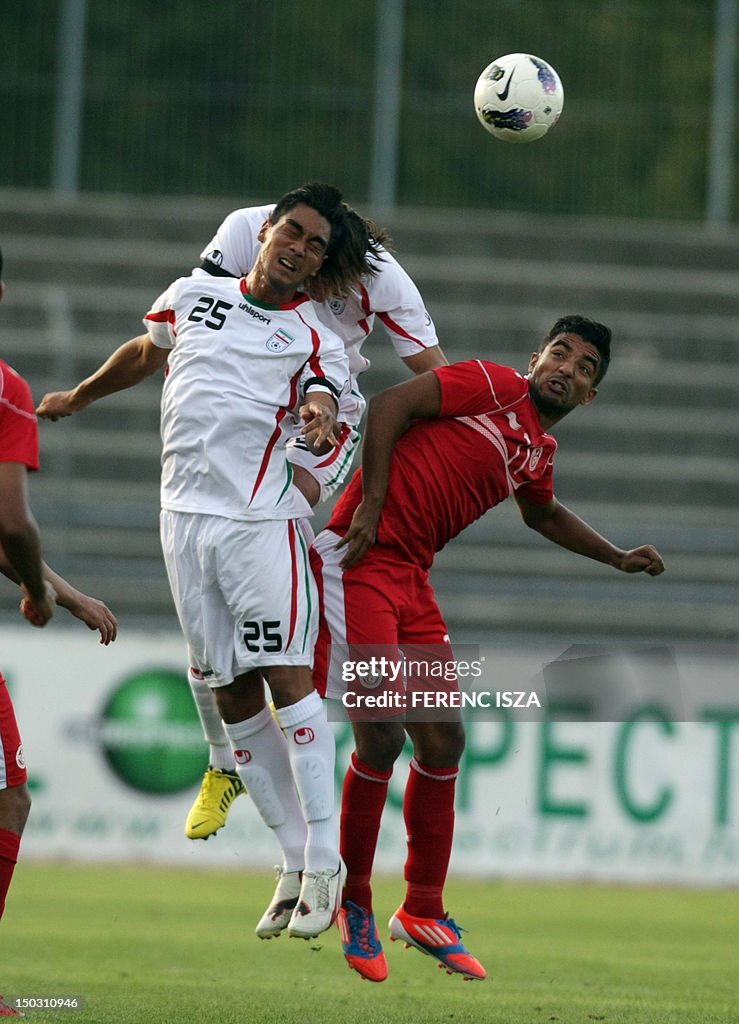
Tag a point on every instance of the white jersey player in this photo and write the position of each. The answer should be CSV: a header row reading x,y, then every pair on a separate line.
x,y
240,351
389,295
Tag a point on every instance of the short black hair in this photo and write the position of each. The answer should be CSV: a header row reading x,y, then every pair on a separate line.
x,y
354,240
589,330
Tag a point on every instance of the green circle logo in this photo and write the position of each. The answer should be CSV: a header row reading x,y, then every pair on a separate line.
x,y
150,733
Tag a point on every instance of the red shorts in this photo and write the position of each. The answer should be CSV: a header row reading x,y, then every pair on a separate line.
x,y
12,764
374,609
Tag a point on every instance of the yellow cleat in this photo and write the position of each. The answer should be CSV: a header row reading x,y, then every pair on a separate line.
x,y
218,791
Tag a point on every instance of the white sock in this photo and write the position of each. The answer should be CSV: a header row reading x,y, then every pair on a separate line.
x,y
263,765
312,751
220,755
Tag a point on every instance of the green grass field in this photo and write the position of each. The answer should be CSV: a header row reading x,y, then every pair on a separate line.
x,y
145,945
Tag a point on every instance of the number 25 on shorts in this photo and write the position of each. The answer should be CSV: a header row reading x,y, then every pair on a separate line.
x,y
262,636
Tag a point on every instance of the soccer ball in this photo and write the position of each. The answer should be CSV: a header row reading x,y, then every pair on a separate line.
x,y
518,98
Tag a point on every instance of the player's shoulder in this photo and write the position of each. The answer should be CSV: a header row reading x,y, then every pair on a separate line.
x,y
391,287
486,368
387,267
504,385
502,372
309,314
203,284
306,311
251,217
11,376
14,388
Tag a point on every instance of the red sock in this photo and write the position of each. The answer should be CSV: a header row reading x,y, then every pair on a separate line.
x,y
428,809
9,845
362,803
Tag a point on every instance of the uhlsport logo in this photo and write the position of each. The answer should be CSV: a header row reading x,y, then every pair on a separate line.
x,y
242,756
20,757
150,735
304,735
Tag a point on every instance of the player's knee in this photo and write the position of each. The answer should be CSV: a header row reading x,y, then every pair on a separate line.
x,y
438,745
15,808
289,683
243,698
378,744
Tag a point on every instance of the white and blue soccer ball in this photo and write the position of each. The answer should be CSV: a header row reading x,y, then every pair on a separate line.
x,y
519,97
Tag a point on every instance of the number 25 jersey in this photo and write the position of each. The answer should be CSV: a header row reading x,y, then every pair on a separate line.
x,y
234,380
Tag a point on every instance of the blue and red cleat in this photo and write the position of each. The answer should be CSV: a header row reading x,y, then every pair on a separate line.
x,y
360,942
437,937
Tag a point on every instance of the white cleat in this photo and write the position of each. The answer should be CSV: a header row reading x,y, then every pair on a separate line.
x,y
319,902
277,915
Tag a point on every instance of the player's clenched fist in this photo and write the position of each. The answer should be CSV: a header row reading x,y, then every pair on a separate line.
x,y
56,405
38,610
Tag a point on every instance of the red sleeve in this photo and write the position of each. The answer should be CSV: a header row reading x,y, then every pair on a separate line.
x,y
18,426
476,387
540,491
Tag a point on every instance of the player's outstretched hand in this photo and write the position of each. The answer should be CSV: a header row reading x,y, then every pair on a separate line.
x,y
38,611
94,614
57,404
360,536
319,427
644,559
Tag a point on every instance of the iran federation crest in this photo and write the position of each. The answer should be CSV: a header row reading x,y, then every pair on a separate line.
x,y
279,341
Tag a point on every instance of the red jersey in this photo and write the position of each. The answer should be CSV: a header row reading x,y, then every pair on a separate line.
x,y
18,426
445,473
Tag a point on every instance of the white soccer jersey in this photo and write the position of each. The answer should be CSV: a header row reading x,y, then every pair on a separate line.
x,y
390,295
234,381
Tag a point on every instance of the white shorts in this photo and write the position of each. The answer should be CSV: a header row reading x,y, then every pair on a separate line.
x,y
329,470
244,593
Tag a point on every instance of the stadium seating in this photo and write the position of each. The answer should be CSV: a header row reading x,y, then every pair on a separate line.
x,y
654,459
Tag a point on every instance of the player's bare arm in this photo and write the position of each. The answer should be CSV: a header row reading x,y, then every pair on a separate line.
x,y
21,543
320,426
558,524
94,613
389,415
429,359
131,363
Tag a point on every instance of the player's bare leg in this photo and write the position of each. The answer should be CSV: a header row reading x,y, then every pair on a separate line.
x,y
15,805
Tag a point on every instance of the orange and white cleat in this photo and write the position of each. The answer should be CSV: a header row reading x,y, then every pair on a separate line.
x,y
439,938
360,942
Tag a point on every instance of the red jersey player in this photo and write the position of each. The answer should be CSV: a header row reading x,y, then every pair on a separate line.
x,y
20,560
480,435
